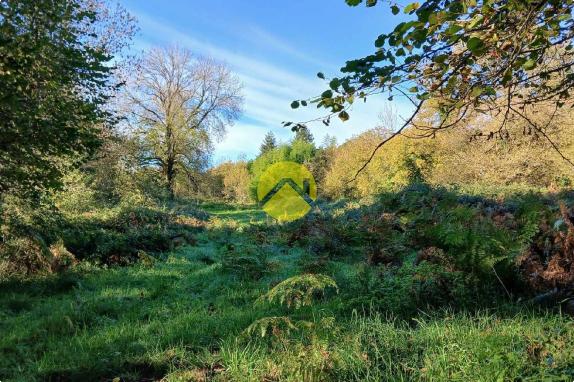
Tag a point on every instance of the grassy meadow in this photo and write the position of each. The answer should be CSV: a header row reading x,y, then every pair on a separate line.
x,y
196,313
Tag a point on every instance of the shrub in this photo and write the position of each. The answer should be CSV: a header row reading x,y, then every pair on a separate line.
x,y
232,182
312,263
403,290
321,234
471,239
115,236
76,197
547,262
24,256
62,259
136,218
27,229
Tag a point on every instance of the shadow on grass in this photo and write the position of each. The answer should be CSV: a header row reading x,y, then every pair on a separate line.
x,y
139,323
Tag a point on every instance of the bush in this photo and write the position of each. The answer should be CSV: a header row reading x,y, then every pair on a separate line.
x,y
115,236
322,234
24,256
404,290
62,259
27,230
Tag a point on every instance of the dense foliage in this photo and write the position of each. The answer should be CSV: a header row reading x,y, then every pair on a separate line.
x,y
55,84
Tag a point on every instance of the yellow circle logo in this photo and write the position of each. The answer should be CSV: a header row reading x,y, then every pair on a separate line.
x,y
286,191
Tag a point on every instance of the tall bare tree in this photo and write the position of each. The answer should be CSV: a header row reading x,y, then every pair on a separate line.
x,y
178,104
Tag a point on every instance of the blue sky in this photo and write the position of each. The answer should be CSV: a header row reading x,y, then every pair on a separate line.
x,y
276,48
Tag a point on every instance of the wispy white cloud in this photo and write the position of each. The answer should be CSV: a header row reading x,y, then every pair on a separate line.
x,y
269,88
270,41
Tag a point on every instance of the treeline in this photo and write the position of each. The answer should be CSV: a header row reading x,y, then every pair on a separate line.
x,y
473,158
451,158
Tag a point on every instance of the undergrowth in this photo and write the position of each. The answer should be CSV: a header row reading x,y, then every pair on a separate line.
x,y
416,285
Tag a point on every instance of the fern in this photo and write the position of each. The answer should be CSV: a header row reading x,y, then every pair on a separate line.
x,y
299,291
472,240
274,325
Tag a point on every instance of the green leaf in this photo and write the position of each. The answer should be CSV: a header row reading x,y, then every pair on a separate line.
x,y
475,45
334,84
453,29
476,92
380,41
395,10
489,91
353,3
327,94
344,116
529,64
294,104
412,7
321,75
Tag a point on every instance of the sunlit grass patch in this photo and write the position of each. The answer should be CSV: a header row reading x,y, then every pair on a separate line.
x,y
187,316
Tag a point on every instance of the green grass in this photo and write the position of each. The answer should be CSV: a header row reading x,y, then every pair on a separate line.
x,y
238,213
184,319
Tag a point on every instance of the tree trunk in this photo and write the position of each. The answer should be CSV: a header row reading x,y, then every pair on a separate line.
x,y
170,177
170,162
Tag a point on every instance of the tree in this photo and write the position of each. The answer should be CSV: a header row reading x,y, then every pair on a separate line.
x,y
499,57
269,143
452,158
299,151
304,134
329,142
178,104
235,181
384,174
323,161
525,159
56,81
